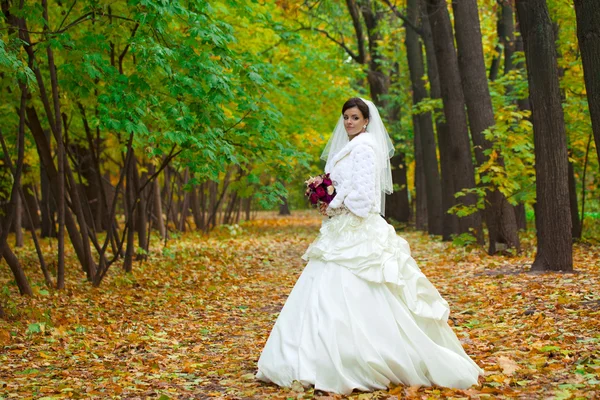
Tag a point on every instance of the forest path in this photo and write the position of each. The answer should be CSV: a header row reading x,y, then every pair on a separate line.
x,y
191,321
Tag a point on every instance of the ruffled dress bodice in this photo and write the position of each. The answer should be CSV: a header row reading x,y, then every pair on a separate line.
x,y
370,249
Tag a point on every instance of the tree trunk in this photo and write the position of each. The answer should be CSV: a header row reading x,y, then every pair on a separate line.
x,y
424,134
420,178
248,208
450,224
284,208
588,35
521,216
17,270
130,214
507,34
157,203
397,205
197,199
575,221
47,205
31,206
18,222
500,218
60,154
553,220
184,208
141,216
454,110
36,242
506,38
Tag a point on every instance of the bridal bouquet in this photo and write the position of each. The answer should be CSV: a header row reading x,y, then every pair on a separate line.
x,y
320,189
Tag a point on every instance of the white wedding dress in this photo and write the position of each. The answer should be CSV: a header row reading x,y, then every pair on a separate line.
x,y
362,315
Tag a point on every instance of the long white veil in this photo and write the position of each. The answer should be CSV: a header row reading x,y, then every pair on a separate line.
x,y
384,149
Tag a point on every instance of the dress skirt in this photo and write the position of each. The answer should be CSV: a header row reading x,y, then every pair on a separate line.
x,y
362,316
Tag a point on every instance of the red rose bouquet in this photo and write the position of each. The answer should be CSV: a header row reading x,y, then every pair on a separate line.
x,y
320,189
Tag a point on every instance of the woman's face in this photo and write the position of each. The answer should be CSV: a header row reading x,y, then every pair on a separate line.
x,y
354,121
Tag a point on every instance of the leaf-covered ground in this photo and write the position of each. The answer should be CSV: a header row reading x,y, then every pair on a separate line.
x,y
190,322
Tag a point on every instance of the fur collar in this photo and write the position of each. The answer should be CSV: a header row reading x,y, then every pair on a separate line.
x,y
362,139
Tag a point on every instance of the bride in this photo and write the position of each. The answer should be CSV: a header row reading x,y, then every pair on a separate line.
x,y
362,315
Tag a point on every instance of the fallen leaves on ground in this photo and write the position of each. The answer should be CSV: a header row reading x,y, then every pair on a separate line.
x,y
191,321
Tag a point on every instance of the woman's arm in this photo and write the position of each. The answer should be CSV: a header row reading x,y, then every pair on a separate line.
x,y
359,193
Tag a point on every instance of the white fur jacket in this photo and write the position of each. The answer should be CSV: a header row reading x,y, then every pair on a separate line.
x,y
354,175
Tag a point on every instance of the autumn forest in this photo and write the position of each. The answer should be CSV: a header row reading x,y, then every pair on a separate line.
x,y
152,174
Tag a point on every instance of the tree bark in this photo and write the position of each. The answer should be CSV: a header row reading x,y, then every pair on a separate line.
x,y
397,205
450,224
420,179
130,212
521,216
31,206
17,270
47,204
184,208
575,221
424,135
284,207
454,110
60,152
141,216
157,204
553,220
588,36
18,222
499,215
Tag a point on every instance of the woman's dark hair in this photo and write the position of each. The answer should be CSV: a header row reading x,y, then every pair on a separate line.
x,y
357,102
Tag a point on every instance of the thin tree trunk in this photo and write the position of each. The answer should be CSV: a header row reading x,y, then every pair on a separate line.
x,y
47,204
130,212
575,221
248,208
284,207
450,224
427,160
553,220
17,270
420,178
184,207
61,159
141,216
18,222
43,266
588,35
521,216
157,204
500,218
31,207
454,110
583,181
397,205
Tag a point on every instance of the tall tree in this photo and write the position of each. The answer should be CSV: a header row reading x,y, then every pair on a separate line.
x,y
397,206
588,35
553,221
450,224
463,172
499,213
424,132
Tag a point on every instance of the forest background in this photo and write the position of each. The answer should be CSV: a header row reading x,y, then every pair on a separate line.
x,y
124,124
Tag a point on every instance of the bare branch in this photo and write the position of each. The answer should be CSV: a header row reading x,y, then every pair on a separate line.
x,y
404,18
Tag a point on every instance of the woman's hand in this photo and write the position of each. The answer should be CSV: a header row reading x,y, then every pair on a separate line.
x,y
323,208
